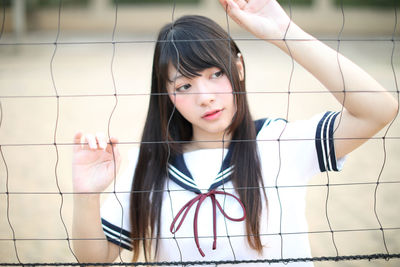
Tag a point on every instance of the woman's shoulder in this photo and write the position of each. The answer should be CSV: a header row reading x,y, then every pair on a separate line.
x,y
269,126
281,128
125,178
133,154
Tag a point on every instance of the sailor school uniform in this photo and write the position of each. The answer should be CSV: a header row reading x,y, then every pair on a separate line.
x,y
202,218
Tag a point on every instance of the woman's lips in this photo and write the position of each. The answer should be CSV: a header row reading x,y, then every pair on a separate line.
x,y
213,114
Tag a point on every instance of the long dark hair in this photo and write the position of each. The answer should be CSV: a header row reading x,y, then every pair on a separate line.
x,y
191,44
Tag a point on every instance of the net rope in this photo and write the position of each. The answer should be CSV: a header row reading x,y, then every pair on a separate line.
x,y
388,255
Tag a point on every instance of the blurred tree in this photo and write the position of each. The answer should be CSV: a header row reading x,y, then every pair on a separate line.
x,y
5,3
296,2
284,2
367,3
50,3
156,1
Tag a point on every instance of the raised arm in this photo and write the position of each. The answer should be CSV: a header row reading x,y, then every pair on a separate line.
x,y
92,171
368,107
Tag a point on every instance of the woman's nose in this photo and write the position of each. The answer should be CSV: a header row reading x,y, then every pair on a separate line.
x,y
205,94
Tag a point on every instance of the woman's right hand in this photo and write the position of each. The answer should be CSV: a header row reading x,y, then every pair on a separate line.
x,y
95,162
265,19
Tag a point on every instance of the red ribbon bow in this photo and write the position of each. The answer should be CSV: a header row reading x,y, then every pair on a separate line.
x,y
200,198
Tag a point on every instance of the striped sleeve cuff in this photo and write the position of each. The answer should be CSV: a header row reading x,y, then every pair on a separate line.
x,y
117,235
325,144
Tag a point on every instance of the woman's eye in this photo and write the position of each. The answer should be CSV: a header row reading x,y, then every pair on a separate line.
x,y
218,74
183,88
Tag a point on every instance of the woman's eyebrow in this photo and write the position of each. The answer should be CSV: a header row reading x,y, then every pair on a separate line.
x,y
177,76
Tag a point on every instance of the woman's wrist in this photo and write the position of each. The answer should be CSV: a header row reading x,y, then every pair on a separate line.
x,y
87,199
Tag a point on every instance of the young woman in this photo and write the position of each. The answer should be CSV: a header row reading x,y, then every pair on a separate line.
x,y
208,183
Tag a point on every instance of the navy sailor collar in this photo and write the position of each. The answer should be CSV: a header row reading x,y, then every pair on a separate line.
x,y
180,174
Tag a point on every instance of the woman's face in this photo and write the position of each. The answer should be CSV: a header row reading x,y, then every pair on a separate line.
x,y
206,101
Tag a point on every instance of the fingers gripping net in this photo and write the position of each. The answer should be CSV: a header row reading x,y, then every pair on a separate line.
x,y
36,126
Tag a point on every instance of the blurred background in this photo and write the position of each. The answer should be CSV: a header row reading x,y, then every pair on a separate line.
x,y
60,69
317,16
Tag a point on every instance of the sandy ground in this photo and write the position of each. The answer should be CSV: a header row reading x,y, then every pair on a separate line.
x,y
33,170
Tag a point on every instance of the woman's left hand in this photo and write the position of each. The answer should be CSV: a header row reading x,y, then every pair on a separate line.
x,y
264,18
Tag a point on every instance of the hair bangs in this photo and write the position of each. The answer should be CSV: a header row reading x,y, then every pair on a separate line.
x,y
190,54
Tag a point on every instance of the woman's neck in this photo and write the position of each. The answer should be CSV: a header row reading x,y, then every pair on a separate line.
x,y
208,142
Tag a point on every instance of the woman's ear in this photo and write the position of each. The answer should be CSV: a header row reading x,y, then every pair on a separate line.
x,y
240,66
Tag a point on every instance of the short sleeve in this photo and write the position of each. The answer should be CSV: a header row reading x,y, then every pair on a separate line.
x,y
324,143
306,146
115,209
320,129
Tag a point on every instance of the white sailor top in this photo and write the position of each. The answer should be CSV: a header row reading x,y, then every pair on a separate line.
x,y
202,218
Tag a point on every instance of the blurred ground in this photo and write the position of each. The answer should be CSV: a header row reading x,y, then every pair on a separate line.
x,y
35,168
